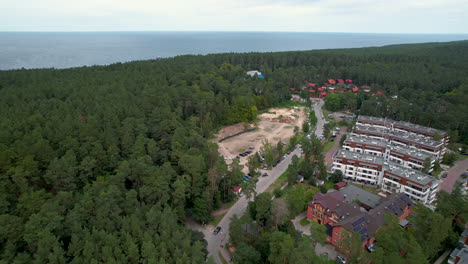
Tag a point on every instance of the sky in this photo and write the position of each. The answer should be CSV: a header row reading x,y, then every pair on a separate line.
x,y
364,16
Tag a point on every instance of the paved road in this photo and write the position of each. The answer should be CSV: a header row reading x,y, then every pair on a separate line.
x,y
335,147
453,174
320,118
216,242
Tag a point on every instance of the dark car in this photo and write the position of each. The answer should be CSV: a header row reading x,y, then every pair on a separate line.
x,y
265,174
256,180
444,175
216,231
289,152
370,247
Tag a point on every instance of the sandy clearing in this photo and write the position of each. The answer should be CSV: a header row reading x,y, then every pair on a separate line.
x,y
275,125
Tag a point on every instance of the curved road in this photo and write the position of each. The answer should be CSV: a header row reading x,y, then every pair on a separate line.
x,y
216,242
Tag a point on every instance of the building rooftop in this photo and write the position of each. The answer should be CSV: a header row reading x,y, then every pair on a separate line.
x,y
415,138
403,125
366,140
367,224
342,153
375,130
374,119
352,193
383,143
411,152
413,175
462,254
418,128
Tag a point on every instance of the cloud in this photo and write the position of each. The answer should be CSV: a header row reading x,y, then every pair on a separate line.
x,y
396,16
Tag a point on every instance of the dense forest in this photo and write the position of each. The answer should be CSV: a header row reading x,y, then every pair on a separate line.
x,y
105,163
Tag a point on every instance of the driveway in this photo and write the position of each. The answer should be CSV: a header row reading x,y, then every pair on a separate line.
x,y
335,147
453,174
216,242
297,224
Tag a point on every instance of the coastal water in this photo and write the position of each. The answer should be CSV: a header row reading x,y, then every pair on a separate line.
x,y
72,49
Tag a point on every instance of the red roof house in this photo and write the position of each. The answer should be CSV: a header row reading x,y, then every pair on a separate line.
x,y
292,89
312,91
323,94
368,223
340,185
320,89
237,189
331,81
340,81
312,84
349,81
379,93
330,207
355,90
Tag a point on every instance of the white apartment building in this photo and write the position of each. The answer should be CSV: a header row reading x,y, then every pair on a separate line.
x,y
417,185
391,177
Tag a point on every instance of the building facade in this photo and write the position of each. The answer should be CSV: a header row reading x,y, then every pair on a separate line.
x,y
407,157
391,177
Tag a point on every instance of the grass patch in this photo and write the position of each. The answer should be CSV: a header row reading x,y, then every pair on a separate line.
x,y
328,146
223,260
304,221
329,184
279,182
290,104
367,188
217,219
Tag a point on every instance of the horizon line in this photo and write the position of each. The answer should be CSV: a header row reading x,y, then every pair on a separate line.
x,y
222,31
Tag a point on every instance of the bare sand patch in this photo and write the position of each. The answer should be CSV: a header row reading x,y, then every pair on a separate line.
x,y
275,125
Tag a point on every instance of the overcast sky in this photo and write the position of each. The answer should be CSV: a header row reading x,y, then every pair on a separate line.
x,y
370,16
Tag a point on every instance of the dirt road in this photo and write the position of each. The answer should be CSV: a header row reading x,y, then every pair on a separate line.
x,y
216,242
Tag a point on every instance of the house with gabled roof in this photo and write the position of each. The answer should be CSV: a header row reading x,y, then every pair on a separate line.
x,y
367,224
329,208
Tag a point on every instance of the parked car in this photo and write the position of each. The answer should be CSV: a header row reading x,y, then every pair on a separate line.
x,y
245,178
217,230
256,180
289,152
444,175
340,259
265,174
370,247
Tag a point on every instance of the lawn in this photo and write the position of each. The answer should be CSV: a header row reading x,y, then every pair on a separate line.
x,y
328,146
279,182
329,184
304,221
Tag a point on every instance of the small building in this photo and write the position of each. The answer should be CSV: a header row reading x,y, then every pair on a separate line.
x,y
253,73
340,81
379,93
312,91
339,185
355,90
323,94
320,89
237,189
312,84
331,81
292,89
349,81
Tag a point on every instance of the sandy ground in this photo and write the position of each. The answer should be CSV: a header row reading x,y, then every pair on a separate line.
x,y
275,125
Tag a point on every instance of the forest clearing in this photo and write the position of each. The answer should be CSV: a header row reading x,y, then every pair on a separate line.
x,y
275,125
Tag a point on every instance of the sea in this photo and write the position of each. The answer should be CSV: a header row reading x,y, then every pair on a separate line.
x,y
74,49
